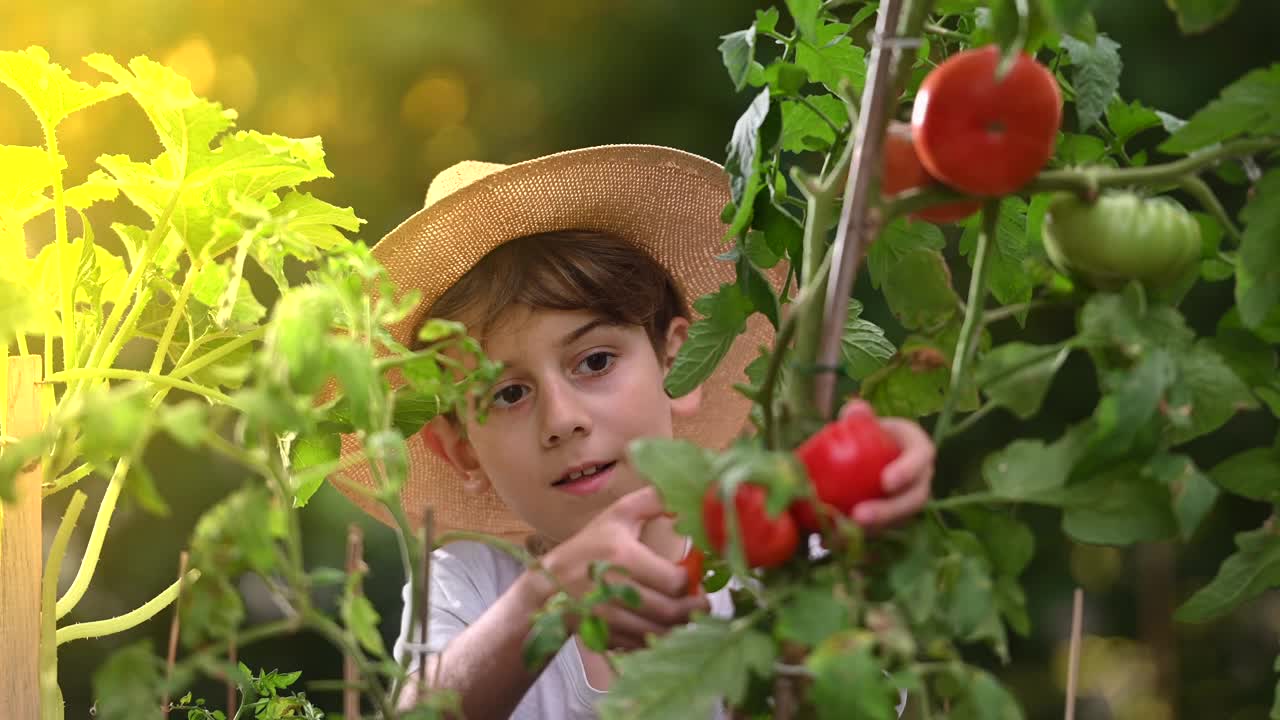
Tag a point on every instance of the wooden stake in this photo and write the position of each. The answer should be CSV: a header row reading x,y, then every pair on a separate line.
x,y
350,671
20,550
1073,658
424,600
172,657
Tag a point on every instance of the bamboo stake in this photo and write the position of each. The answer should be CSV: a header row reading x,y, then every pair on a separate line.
x,y
1073,661
350,671
21,542
172,656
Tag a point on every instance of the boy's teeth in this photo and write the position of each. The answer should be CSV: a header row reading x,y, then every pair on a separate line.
x,y
586,471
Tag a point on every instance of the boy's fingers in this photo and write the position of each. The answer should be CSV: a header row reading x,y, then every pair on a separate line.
x,y
626,623
666,610
916,459
854,404
639,506
877,514
653,571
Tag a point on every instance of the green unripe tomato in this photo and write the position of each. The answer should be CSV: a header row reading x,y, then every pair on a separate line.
x,y
1121,237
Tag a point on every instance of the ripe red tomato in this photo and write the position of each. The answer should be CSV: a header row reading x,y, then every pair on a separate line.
x,y
903,171
982,135
844,461
766,541
692,564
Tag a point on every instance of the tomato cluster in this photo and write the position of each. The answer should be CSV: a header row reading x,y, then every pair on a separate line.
x,y
843,460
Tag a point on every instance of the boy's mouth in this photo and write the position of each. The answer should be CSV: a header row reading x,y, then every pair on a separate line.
x,y
585,479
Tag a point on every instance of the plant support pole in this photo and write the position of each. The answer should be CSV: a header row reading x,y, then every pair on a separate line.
x,y
20,547
854,230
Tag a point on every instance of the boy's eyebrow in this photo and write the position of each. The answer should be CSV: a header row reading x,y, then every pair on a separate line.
x,y
583,330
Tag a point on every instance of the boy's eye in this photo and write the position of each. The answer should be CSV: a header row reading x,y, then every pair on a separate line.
x,y
508,396
597,362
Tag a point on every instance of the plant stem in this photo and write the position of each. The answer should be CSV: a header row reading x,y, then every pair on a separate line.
x,y
804,100
93,550
50,695
1200,190
131,619
188,367
949,34
341,639
162,380
972,419
971,327
771,373
179,309
66,286
955,501
63,482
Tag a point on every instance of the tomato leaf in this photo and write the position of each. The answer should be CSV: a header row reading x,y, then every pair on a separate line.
x,y
1008,542
724,317
805,15
20,312
737,49
863,346
1249,106
1252,569
1124,321
1197,16
1031,470
129,678
1254,474
361,619
47,87
743,147
1119,506
1069,16
1258,271
686,672
848,682
1128,119
1212,390
833,57
806,127
682,472
986,699
756,288
1095,73
1017,375
812,614
1193,493
1007,270
917,379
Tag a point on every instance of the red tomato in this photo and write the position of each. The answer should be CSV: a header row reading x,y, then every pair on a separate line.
x,y
903,171
844,461
766,541
692,564
981,135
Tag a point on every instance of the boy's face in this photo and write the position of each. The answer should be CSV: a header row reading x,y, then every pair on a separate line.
x,y
575,392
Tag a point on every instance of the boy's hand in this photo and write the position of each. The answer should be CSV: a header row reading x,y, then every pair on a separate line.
x,y
906,480
614,536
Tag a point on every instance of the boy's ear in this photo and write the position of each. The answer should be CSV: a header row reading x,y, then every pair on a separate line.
x,y
447,442
677,334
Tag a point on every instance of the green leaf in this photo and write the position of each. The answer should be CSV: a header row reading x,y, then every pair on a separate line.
x,y
47,87
811,615
1095,73
296,337
29,171
971,599
1068,16
1214,391
388,453
986,699
915,576
863,346
1258,271
1030,470
1074,149
141,486
916,381
833,58
186,422
1008,276
685,673
17,456
1254,474
743,148
97,274
129,679
785,78
1193,493
1128,119
848,682
907,263
1125,322
805,14
213,288
1254,568
114,424
724,317
682,472
737,49
804,129
545,639
308,451
1120,506
360,617
756,288
1017,375
1197,16
594,633
1249,106
20,314
1123,416
1009,543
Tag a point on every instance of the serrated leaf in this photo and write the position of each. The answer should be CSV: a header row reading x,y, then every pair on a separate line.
x,y
1120,506
114,423
684,674
21,315
1095,74
1197,16
1008,258
1123,416
725,315
1254,474
1017,375
1030,470
682,472
1008,542
141,486
1214,391
918,290
186,422
915,576
744,144
296,336
848,682
1068,16
360,617
1258,271
805,15
737,49
758,290
47,87
811,615
833,58
863,346
1252,569
308,451
804,129
916,381
128,679
1248,106
212,288
1122,321
1193,493
1128,119
986,699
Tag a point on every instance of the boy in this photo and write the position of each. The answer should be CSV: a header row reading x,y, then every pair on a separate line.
x,y
572,270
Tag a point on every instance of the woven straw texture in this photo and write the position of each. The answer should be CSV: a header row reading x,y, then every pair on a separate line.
x,y
664,200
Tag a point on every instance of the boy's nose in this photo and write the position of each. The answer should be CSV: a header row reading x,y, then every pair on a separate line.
x,y
562,416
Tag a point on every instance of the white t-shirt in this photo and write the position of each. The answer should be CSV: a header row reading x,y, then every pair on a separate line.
x,y
466,578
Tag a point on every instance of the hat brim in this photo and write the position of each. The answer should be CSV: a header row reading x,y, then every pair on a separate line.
x,y
666,201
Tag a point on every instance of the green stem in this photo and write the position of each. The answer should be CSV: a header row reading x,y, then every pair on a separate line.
x,y
771,373
972,419
66,286
971,327
410,560
93,550
63,482
804,100
187,368
50,695
179,309
162,380
1200,190
342,640
129,620
949,34
955,501
1008,311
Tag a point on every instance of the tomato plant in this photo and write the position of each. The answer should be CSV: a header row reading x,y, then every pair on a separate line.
x,y
982,132
767,540
844,461
1122,236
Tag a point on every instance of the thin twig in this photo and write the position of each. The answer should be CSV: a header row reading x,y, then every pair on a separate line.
x,y
172,656
424,602
233,657
350,672
1073,662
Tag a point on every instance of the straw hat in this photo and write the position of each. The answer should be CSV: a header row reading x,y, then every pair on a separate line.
x,y
664,200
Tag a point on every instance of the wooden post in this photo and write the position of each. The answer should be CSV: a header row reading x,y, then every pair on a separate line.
x,y
20,550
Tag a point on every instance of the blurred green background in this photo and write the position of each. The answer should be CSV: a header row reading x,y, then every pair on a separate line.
x,y
401,89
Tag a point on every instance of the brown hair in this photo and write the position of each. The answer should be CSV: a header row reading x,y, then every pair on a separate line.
x,y
567,270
